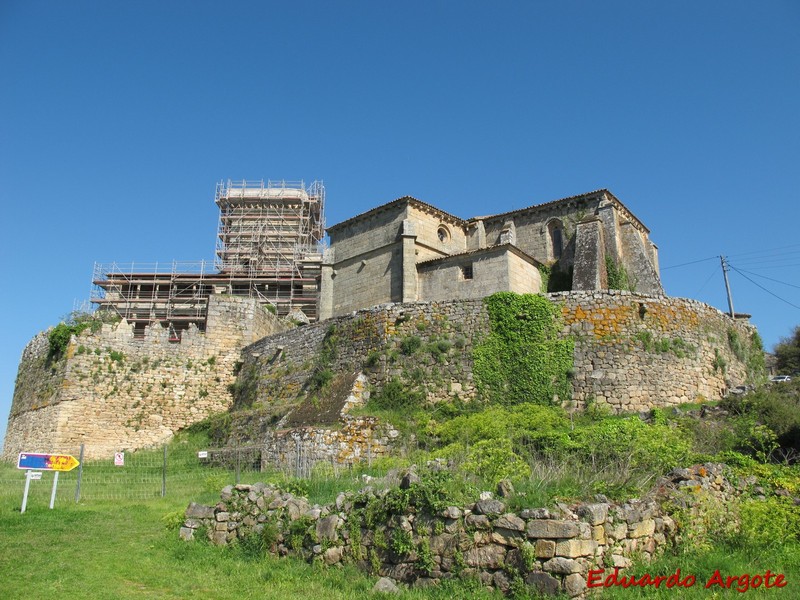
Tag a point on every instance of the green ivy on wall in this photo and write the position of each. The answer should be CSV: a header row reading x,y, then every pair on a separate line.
x,y
522,359
618,278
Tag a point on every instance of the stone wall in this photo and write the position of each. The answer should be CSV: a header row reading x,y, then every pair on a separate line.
x,y
114,392
492,269
551,549
632,353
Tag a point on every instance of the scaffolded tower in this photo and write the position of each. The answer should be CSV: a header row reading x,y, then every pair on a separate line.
x,y
268,247
268,241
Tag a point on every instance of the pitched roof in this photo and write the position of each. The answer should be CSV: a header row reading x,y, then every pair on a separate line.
x,y
605,191
403,200
508,246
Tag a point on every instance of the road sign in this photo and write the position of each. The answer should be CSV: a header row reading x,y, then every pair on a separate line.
x,y
119,459
46,462
35,475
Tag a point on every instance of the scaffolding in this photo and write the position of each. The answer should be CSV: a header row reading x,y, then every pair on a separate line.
x,y
268,241
268,247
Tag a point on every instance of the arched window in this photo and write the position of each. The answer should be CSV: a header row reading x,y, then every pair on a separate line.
x,y
555,230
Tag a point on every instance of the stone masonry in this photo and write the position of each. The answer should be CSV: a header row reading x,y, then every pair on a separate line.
x,y
114,392
551,550
632,353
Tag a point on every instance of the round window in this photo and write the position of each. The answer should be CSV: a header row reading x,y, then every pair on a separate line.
x,y
443,234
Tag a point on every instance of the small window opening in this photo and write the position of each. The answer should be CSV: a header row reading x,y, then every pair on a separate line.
x,y
555,229
466,272
443,234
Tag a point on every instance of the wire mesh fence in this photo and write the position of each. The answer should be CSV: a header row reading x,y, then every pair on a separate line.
x,y
181,470
170,471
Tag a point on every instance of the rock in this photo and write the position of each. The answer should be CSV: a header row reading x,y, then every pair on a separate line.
x,y
543,583
562,566
489,507
642,529
298,316
443,544
574,584
326,528
594,514
501,582
226,493
534,513
510,521
452,512
485,496
620,562
575,548
505,489
491,556
220,538
186,533
199,511
545,549
332,556
409,478
552,529
222,516
478,521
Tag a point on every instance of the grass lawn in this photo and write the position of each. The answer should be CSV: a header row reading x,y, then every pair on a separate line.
x,y
121,550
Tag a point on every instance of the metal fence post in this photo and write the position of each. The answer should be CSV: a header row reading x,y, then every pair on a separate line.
x,y
297,465
164,474
80,476
238,467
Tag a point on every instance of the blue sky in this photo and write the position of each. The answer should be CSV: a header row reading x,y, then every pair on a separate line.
x,y
117,119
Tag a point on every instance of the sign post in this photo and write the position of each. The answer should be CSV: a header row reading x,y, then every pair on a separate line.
x,y
34,463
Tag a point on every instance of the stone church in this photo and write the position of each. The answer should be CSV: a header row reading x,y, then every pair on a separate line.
x,y
410,251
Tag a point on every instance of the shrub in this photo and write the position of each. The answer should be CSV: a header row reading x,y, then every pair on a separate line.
x,y
410,344
493,460
770,522
396,396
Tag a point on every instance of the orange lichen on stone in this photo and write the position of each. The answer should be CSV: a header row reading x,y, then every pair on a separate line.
x,y
605,320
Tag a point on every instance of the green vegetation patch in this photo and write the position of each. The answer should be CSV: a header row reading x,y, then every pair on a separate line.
x,y
618,278
522,359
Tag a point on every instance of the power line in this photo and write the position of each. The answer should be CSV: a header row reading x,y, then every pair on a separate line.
x,y
694,262
771,279
770,259
773,266
763,288
765,250
713,272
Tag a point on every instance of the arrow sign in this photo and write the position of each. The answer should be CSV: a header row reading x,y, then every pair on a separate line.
x,y
46,462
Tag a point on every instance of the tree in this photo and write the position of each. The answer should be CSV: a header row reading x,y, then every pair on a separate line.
x,y
787,351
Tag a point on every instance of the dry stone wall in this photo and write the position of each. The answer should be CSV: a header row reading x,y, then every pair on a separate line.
x,y
112,391
550,549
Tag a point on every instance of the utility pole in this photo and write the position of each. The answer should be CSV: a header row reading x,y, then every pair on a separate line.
x,y
727,284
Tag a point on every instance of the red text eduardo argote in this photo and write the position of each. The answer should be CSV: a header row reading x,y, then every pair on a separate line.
x,y
740,583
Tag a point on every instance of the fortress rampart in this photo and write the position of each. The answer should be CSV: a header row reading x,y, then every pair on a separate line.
x,y
633,352
112,391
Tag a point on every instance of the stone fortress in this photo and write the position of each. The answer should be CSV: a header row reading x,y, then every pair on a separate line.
x,y
195,342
